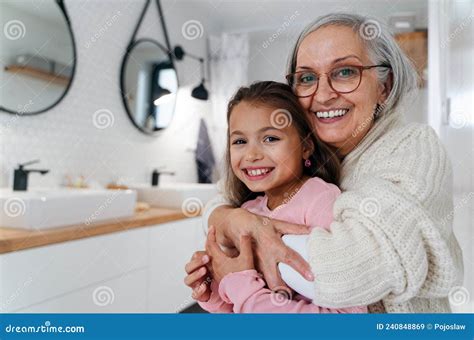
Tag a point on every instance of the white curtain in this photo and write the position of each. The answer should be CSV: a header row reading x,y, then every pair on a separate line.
x,y
229,57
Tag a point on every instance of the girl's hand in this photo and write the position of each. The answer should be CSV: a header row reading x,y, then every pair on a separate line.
x,y
223,264
198,278
269,249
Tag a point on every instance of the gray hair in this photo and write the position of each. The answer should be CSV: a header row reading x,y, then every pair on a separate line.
x,y
382,49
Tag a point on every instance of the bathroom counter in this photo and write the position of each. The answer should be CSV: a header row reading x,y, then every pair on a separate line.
x,y
19,239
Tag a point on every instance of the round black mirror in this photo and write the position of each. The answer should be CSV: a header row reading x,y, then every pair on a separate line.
x,y
38,55
149,85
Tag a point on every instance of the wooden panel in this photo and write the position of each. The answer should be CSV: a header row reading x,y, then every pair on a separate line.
x,y
19,239
415,45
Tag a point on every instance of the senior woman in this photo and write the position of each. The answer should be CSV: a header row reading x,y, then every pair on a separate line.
x,y
388,246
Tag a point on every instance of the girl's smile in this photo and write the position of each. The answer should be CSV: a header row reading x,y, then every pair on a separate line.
x,y
266,157
257,173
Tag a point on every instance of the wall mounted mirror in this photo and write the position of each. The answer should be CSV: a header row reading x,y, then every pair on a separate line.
x,y
37,55
149,82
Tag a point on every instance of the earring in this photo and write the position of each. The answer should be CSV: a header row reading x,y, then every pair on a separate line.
x,y
378,109
307,163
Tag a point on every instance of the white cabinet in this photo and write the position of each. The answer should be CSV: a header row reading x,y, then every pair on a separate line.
x,y
119,295
139,270
171,247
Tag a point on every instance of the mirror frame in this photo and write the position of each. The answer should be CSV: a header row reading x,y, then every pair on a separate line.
x,y
128,51
63,10
122,81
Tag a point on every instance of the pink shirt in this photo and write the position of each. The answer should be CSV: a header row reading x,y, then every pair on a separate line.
x,y
245,291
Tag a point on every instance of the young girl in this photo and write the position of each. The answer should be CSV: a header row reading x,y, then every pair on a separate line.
x,y
275,165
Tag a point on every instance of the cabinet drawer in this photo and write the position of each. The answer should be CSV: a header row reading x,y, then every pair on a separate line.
x,y
30,276
119,295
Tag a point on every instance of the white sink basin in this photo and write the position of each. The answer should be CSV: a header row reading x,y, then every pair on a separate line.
x,y
48,208
189,197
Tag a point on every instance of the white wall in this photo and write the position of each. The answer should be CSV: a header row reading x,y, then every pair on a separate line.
x,y
457,130
65,138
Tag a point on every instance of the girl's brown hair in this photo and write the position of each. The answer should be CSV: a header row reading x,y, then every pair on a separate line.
x,y
324,163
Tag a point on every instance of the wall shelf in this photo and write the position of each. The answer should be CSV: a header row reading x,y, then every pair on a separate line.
x,y
38,74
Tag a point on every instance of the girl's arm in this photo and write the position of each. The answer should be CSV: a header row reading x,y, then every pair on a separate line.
x,y
231,223
240,285
246,291
215,304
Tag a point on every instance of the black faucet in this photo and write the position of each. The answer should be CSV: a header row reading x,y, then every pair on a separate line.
x,y
155,176
20,178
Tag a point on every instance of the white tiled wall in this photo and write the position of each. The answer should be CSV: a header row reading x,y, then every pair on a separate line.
x,y
65,138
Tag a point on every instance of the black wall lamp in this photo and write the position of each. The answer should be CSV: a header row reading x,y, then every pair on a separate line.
x,y
178,53
200,91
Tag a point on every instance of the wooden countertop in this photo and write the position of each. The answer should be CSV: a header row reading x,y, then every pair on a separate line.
x,y
19,239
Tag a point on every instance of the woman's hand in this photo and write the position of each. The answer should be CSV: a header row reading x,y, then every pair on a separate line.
x,y
197,279
269,249
221,263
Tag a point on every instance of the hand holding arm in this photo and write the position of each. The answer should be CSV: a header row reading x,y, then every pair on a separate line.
x,y
231,223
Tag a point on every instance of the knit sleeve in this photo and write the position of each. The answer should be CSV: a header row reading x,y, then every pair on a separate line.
x,y
390,239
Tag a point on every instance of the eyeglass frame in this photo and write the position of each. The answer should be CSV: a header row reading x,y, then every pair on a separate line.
x,y
360,67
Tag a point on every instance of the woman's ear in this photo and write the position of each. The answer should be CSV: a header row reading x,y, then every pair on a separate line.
x,y
386,88
308,147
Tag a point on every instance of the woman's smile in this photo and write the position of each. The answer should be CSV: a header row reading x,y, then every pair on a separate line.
x,y
331,115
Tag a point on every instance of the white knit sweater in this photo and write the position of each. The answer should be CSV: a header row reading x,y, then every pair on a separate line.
x,y
390,245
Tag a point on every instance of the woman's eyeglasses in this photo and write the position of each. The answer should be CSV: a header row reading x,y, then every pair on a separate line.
x,y
342,79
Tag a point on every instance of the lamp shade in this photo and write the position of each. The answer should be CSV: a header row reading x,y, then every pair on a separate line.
x,y
159,95
200,92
